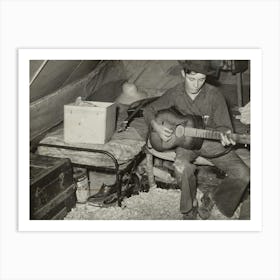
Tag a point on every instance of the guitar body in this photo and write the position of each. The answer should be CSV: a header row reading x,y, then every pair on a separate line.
x,y
188,132
171,119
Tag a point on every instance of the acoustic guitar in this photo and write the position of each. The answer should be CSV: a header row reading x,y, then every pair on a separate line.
x,y
188,132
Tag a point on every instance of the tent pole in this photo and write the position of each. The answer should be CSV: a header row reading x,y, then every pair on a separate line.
x,y
38,72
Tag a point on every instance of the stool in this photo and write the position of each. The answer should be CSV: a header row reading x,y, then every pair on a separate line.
x,y
169,156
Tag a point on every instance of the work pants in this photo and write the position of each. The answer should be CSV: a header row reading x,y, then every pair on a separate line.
x,y
228,194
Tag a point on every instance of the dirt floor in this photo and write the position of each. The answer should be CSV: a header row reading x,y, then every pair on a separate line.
x,y
157,204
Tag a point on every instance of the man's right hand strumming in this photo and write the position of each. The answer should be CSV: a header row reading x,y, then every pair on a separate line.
x,y
163,132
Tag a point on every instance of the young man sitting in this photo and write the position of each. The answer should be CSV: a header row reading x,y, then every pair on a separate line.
x,y
196,97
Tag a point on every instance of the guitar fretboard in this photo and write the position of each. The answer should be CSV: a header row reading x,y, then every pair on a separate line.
x,y
215,135
202,133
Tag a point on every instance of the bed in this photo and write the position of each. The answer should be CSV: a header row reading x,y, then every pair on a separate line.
x,y
120,156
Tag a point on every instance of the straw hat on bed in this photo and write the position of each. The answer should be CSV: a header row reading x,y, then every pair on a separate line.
x,y
130,94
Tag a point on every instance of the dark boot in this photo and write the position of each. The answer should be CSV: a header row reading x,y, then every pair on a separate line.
x,y
204,210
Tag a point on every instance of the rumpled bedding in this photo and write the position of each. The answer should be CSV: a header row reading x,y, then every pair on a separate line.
x,y
124,146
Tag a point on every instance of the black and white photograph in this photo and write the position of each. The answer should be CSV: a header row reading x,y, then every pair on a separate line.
x,y
139,139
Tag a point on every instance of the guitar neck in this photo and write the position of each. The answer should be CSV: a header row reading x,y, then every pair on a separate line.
x,y
215,135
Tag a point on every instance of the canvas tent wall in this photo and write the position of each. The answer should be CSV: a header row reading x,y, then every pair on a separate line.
x,y
54,83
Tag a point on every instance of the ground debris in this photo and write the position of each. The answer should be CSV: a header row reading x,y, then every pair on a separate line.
x,y
157,204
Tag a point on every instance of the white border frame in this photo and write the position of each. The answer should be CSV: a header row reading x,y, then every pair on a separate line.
x,y
254,55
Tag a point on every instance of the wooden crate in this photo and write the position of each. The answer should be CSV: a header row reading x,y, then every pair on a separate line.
x,y
90,123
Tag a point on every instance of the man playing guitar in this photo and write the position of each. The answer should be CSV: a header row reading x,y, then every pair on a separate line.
x,y
196,97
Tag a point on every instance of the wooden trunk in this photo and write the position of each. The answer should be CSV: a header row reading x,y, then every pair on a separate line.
x,y
52,188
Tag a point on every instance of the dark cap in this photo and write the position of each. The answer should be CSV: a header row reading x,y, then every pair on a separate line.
x,y
198,66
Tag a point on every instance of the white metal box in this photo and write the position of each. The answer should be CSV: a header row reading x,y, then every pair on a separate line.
x,y
90,122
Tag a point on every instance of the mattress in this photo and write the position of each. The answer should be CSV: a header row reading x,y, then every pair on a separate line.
x,y
124,146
